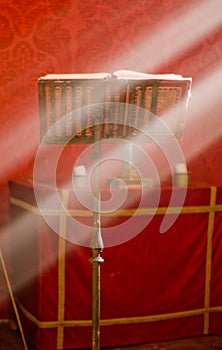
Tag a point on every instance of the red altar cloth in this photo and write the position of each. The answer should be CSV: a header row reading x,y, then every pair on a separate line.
x,y
153,287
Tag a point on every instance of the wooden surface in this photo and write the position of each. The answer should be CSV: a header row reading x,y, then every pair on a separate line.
x,y
11,340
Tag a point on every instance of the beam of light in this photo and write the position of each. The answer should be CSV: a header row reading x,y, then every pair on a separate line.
x,y
205,96
204,114
23,142
184,30
198,108
23,237
23,242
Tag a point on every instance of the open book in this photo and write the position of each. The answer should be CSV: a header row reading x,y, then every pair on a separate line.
x,y
77,94
119,74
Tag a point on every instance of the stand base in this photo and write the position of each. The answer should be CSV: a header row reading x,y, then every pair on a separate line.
x,y
96,260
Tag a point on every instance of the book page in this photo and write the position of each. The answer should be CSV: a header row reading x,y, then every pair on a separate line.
x,y
119,74
127,74
84,76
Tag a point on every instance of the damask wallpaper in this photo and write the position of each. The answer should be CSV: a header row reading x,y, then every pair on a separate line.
x,y
70,36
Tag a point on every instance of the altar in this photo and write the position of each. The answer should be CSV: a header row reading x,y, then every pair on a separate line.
x,y
156,286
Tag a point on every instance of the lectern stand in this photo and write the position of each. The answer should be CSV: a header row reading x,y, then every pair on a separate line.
x,y
96,107
96,247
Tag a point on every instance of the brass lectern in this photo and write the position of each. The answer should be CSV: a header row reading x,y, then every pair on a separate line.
x,y
98,107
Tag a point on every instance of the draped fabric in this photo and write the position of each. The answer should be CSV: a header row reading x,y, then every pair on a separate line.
x,y
92,36
153,287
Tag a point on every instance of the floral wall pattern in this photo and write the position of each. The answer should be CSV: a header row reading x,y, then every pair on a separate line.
x,y
40,37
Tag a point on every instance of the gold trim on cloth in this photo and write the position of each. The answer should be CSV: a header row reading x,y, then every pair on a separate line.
x,y
211,209
122,212
210,229
115,321
61,272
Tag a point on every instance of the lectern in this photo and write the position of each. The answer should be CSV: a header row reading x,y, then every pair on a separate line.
x,y
90,108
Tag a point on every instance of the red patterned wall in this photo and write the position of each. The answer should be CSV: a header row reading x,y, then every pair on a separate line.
x,y
64,36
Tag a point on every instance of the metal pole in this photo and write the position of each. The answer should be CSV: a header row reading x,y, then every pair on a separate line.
x,y
97,247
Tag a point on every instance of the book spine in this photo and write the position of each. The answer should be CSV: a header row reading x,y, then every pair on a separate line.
x,y
78,95
107,111
48,113
89,111
136,112
155,96
126,111
116,112
67,107
147,105
58,110
130,110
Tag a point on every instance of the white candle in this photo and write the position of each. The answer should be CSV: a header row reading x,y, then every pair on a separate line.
x,y
80,170
181,168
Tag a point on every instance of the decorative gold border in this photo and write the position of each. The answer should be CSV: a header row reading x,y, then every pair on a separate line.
x,y
122,212
213,196
116,321
61,323
61,272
